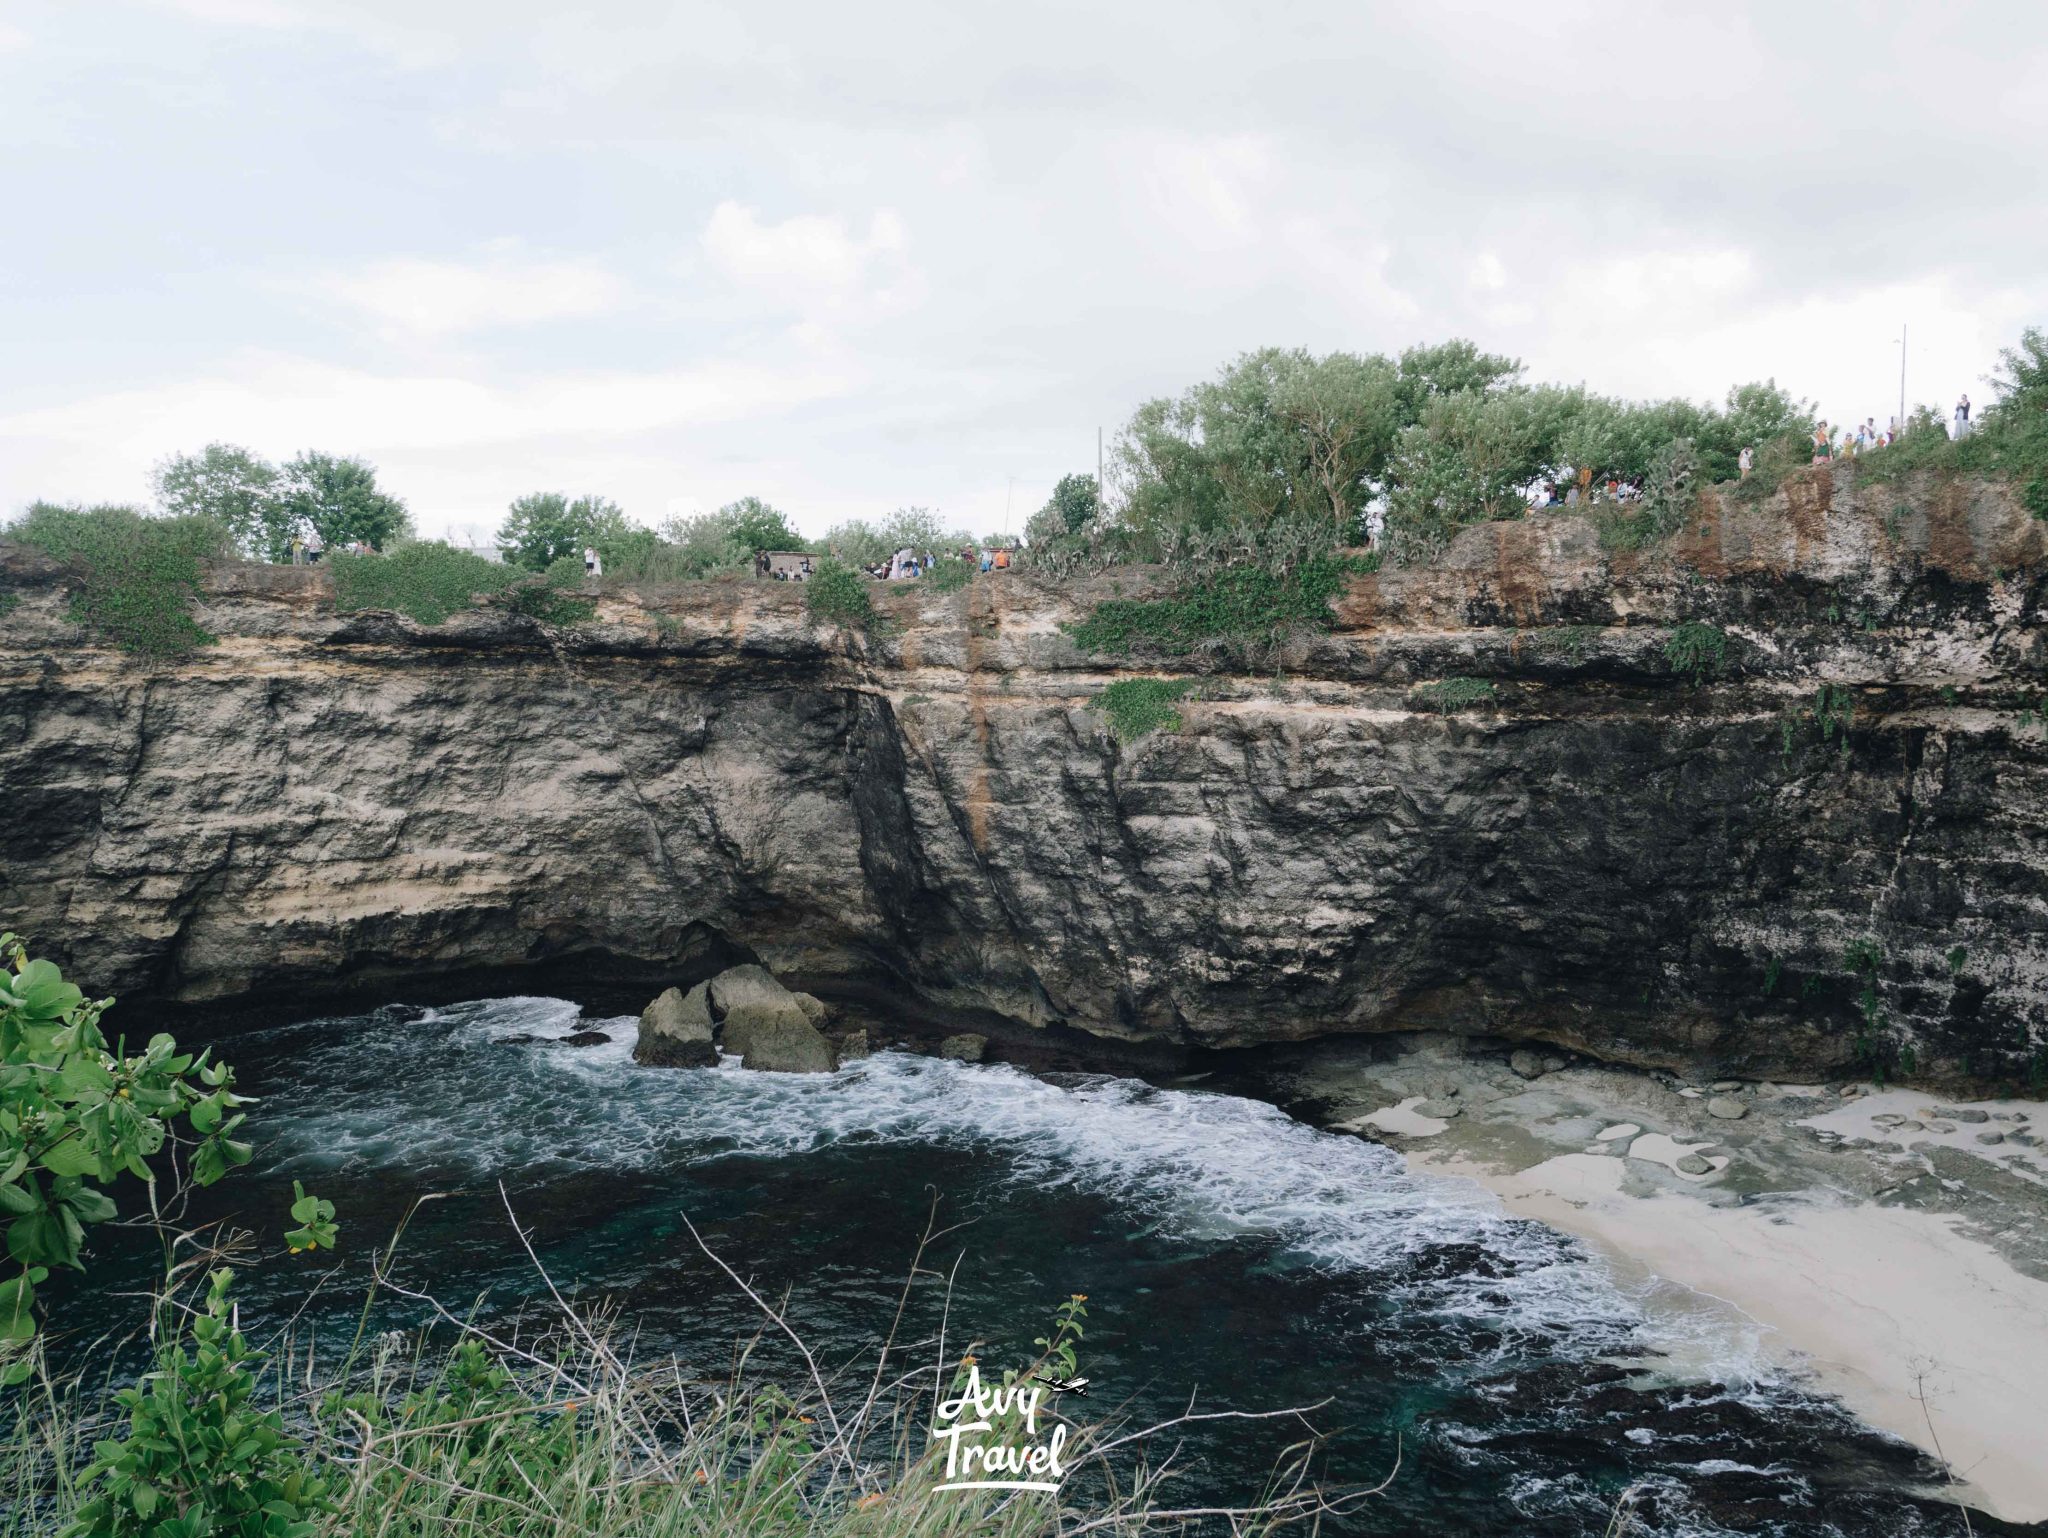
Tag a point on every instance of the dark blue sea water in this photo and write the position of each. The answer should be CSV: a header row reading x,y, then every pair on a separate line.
x,y
1232,1257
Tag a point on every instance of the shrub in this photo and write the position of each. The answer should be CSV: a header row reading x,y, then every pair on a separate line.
x,y
1136,706
836,594
427,581
136,575
1449,694
1697,649
199,1458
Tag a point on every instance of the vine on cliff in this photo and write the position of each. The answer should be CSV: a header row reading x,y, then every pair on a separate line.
x,y
1136,706
1245,605
136,575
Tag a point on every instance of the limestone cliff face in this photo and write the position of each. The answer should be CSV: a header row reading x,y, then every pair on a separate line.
x,y
1607,855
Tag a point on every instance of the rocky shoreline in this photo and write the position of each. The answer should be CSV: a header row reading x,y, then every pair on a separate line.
x,y
1892,1245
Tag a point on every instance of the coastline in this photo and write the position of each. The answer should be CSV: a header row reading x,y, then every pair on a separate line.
x,y
1902,1268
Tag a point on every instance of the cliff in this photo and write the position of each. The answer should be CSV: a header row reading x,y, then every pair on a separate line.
x,y
1734,872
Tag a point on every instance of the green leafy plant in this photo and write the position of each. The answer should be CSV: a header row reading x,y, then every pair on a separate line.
x,y
836,594
1061,1348
1958,957
1696,649
315,1217
136,576
1136,706
199,1459
1452,694
79,1117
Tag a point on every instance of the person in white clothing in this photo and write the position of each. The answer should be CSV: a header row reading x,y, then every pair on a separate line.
x,y
1745,460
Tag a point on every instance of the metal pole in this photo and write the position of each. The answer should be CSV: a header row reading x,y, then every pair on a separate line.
x,y
1902,376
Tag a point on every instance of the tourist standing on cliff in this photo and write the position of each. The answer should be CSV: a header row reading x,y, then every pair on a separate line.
x,y
1823,445
592,566
1745,460
1963,417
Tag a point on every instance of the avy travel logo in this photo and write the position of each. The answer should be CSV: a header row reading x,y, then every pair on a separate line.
x,y
992,1436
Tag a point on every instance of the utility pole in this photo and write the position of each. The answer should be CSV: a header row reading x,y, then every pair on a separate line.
x,y
1902,376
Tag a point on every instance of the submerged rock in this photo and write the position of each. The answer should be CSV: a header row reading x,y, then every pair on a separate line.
x,y
1727,1108
1693,1164
584,1039
675,1030
964,1048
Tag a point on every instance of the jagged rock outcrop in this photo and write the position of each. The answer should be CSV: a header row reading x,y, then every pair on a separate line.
x,y
675,1030
1605,853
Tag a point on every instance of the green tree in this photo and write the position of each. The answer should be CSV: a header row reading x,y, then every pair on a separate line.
x,y
337,497
755,526
1470,458
1344,410
546,526
234,487
1075,502
2022,382
1456,367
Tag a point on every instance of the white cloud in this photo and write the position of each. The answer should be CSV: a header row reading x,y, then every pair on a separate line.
x,y
12,39
410,296
809,255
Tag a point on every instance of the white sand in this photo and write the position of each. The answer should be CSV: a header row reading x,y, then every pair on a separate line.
x,y
1877,1301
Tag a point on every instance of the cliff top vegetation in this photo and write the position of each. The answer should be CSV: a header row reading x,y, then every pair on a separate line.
x,y
1258,490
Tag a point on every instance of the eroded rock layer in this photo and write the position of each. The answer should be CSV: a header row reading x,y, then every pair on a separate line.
x,y
1608,852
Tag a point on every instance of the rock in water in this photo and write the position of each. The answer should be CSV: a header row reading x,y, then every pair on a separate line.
x,y
1961,1113
675,1031
964,1048
1527,1065
1442,1110
1991,1139
584,1039
813,1007
778,1039
1727,1108
1693,1164
853,1044
749,984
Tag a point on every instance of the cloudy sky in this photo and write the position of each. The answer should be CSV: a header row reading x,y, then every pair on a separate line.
x,y
853,257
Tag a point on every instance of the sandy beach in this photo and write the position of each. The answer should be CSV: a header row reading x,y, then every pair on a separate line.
x,y
1891,1245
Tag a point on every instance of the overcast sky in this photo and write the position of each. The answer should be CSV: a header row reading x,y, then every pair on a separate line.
x,y
848,257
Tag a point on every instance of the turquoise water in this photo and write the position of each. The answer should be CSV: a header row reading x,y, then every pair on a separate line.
x,y
1231,1256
